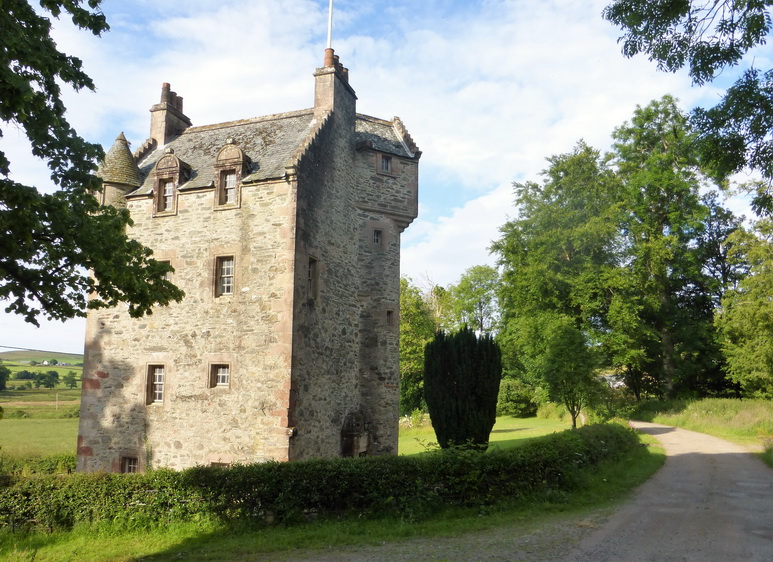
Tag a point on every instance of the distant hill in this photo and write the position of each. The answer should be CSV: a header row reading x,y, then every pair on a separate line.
x,y
41,356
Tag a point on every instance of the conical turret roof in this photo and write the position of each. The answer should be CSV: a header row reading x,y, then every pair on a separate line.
x,y
119,165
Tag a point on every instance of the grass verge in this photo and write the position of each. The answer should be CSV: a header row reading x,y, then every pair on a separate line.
x,y
598,488
746,422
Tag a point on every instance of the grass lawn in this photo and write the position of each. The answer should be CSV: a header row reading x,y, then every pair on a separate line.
x,y
508,432
43,437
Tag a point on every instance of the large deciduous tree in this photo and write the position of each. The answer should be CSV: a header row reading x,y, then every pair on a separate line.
x,y
50,241
624,247
708,36
746,319
474,298
461,383
559,252
660,177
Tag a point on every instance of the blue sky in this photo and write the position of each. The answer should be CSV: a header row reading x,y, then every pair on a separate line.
x,y
488,89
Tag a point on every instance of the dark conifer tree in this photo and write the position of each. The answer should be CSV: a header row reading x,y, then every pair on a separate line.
x,y
461,384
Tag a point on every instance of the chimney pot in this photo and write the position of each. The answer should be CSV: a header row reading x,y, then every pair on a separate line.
x,y
165,90
329,58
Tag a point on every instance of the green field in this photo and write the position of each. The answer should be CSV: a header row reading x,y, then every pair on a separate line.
x,y
40,356
18,389
38,437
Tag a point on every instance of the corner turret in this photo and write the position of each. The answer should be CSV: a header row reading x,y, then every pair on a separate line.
x,y
119,172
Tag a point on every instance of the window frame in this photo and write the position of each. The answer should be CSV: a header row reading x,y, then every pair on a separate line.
x,y
385,165
166,204
129,464
214,375
312,281
220,276
224,189
155,389
168,276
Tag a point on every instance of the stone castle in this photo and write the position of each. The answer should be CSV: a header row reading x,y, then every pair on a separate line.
x,y
284,233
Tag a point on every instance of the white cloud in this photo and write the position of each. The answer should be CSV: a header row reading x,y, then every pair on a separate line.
x,y
487,89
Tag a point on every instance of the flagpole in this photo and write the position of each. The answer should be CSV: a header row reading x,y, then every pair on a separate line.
x,y
330,26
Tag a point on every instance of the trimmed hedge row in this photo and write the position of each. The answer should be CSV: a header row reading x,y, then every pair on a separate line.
x,y
285,492
26,466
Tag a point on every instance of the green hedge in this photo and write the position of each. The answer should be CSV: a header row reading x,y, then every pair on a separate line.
x,y
285,492
28,465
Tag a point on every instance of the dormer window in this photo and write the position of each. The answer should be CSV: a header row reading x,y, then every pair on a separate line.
x,y
169,173
230,166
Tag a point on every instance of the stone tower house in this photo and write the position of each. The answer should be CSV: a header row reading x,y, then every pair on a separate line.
x,y
284,233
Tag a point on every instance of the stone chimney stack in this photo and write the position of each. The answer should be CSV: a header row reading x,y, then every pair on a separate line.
x,y
167,119
332,90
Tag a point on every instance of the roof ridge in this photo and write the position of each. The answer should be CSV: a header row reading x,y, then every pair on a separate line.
x,y
235,123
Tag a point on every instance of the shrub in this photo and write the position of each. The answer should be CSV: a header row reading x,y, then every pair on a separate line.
x,y
516,399
411,487
552,410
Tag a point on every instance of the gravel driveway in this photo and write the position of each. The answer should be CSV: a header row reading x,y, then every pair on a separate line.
x,y
711,501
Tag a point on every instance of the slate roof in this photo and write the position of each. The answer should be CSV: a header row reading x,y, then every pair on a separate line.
x,y
270,142
119,165
384,136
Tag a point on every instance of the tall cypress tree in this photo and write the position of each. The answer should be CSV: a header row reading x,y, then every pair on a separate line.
x,y
461,384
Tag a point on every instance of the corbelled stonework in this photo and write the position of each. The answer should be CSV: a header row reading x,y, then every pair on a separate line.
x,y
284,233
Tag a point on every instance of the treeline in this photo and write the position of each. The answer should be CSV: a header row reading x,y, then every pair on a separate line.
x,y
46,379
625,264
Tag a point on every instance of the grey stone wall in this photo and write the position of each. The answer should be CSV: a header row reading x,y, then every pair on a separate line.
x,y
250,330
386,202
326,344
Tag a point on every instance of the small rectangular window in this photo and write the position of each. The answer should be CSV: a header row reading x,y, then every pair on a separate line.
x,y
227,187
168,276
377,236
225,276
390,317
220,375
386,164
130,465
156,384
312,282
165,195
